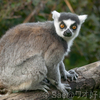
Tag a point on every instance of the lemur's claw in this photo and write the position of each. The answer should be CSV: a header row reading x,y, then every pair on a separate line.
x,y
63,88
73,75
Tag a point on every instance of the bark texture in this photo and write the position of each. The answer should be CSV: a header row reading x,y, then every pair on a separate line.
x,y
89,79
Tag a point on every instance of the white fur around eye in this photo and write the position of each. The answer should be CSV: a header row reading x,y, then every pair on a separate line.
x,y
68,22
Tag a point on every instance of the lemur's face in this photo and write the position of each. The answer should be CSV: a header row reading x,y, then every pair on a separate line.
x,y
67,25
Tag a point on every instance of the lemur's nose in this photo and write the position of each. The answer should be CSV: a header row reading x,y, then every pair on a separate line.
x,y
67,33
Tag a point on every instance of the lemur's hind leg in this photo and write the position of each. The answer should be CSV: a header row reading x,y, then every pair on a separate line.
x,y
36,72
28,75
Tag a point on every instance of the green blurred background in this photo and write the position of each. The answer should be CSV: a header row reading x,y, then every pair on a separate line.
x,y
86,47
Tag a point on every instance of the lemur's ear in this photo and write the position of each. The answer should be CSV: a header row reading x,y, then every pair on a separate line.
x,y
55,14
82,18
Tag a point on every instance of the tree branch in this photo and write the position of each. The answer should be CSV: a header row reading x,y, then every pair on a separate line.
x,y
89,78
69,6
35,11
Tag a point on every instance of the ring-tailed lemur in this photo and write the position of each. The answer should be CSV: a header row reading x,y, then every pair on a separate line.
x,y
30,52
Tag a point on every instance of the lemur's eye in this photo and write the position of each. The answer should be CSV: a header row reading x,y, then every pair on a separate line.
x,y
74,27
62,25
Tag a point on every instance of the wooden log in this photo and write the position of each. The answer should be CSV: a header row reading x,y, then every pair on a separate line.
x,y
89,79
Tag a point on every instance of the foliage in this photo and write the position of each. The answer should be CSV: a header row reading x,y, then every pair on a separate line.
x,y
86,48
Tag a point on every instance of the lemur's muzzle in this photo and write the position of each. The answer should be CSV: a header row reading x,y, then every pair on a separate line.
x,y
67,33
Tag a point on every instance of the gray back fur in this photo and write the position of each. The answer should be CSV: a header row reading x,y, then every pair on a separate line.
x,y
25,41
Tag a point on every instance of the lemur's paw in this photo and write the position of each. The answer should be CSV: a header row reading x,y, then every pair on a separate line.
x,y
63,88
72,74
44,88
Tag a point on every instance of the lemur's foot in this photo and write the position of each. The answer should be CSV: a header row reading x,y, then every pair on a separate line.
x,y
63,88
73,75
70,74
44,88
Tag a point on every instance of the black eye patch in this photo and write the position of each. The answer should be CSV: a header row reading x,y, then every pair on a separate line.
x,y
62,25
73,26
